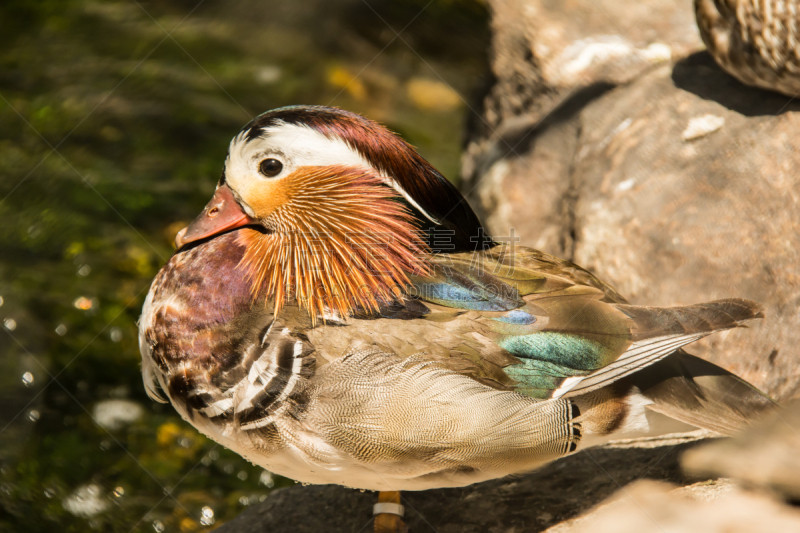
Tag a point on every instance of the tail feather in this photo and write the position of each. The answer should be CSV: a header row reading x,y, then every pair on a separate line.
x,y
658,332
699,318
694,391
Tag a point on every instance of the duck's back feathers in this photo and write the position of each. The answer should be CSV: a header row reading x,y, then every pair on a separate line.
x,y
568,333
659,331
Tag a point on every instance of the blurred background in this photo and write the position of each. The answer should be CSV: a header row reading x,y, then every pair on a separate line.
x,y
115,117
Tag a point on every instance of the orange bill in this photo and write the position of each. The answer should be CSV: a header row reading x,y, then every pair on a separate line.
x,y
222,213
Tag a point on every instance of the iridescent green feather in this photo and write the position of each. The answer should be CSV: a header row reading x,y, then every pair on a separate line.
x,y
554,328
550,357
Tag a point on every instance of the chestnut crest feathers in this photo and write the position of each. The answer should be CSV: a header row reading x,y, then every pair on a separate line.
x,y
442,212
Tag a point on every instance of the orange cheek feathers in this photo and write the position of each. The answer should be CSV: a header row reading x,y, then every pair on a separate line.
x,y
342,240
265,196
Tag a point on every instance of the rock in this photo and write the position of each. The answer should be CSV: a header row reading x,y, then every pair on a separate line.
x,y
653,507
530,503
766,456
301,509
673,182
542,51
669,222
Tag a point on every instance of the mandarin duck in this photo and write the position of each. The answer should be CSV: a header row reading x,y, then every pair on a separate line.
x,y
336,314
755,41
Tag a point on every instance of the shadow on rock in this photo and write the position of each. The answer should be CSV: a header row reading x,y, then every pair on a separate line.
x,y
531,503
516,136
700,75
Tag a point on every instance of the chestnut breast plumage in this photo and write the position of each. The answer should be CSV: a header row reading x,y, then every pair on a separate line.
x,y
194,318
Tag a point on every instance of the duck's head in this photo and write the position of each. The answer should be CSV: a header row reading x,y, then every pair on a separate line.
x,y
329,190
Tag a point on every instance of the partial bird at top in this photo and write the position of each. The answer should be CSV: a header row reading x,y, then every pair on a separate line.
x,y
336,314
756,41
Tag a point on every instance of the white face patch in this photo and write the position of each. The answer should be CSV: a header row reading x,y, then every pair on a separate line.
x,y
295,146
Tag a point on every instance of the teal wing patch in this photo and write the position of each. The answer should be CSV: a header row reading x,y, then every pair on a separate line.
x,y
548,358
572,336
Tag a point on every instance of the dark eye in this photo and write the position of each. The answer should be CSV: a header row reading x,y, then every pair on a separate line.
x,y
270,167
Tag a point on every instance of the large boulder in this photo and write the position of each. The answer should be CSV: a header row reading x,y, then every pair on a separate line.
x,y
670,180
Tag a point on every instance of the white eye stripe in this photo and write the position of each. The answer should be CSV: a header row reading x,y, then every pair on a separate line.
x,y
294,145
297,146
393,184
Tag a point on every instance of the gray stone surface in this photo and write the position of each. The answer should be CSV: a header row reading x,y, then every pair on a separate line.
x,y
766,456
673,221
654,507
542,48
